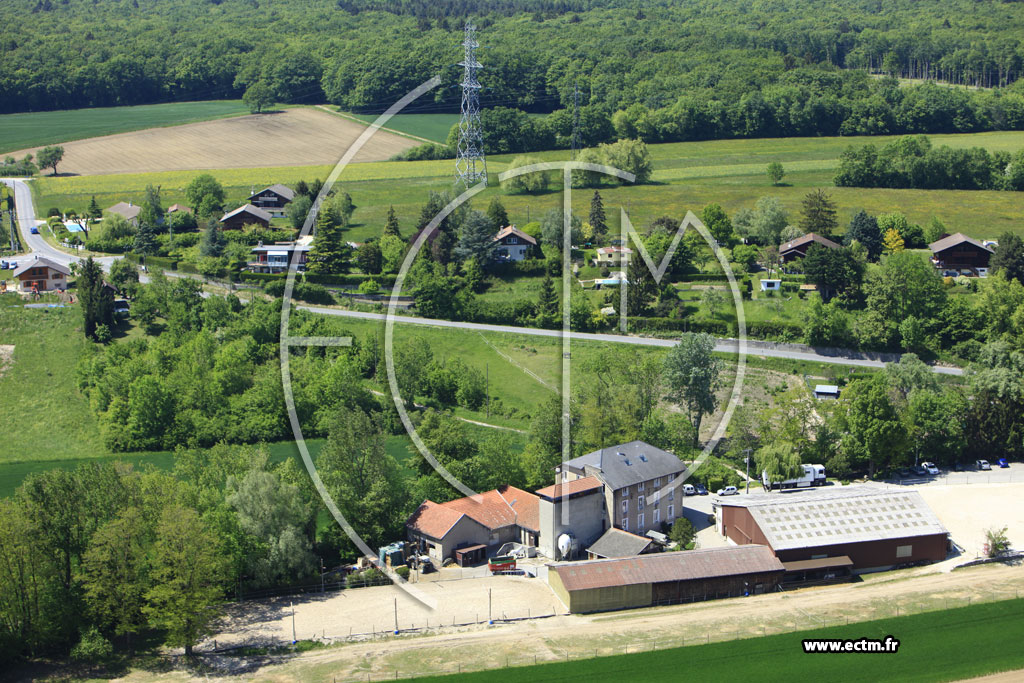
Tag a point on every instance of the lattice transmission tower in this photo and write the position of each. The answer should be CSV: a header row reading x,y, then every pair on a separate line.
x,y
470,164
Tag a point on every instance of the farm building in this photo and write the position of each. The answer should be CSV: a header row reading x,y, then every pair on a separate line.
x,y
798,247
960,252
826,391
489,519
665,578
864,527
618,543
41,275
640,483
245,215
512,244
577,508
272,199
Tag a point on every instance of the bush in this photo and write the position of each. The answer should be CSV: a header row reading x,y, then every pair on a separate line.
x,y
92,647
304,291
54,211
369,286
682,532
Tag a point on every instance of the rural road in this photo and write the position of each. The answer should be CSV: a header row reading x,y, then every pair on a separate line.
x,y
37,245
722,345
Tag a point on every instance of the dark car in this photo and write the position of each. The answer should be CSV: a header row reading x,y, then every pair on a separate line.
x,y
920,470
903,472
1003,463
34,230
702,490
959,467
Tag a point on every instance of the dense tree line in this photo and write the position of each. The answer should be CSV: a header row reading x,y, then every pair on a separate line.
x,y
671,72
912,162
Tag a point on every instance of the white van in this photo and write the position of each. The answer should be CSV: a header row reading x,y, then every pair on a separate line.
x,y
688,490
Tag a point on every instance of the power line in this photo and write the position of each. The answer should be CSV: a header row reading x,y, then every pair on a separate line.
x,y
470,164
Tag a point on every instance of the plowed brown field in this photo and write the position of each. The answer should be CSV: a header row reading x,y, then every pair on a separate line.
x,y
293,137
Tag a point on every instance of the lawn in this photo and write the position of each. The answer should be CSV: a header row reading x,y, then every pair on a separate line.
x,y
946,645
430,126
21,131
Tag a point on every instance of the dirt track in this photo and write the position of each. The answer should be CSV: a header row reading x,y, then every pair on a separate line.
x,y
293,137
476,647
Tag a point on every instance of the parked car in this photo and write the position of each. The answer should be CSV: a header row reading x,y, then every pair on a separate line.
x,y
930,467
982,272
702,490
983,465
728,491
688,490
1003,463
903,472
950,273
967,272
959,467
3,265
919,470
34,230
121,307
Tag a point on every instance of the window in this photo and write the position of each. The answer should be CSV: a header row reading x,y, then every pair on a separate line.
x,y
625,492
657,515
671,478
625,523
904,550
625,508
513,239
640,486
671,513
671,493
57,276
657,483
640,521
640,503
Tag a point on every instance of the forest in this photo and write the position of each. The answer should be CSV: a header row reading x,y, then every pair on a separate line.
x,y
676,71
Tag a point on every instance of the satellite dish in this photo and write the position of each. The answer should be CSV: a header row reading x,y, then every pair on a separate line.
x,y
565,545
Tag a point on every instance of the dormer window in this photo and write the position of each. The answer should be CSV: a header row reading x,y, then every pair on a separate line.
x,y
513,239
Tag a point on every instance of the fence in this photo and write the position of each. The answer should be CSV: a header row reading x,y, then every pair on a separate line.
x,y
1010,475
573,648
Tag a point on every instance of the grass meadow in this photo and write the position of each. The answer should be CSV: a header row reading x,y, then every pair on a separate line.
x,y
946,645
21,131
687,176
433,127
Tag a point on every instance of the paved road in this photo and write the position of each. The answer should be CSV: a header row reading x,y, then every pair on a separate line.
x,y
36,243
723,345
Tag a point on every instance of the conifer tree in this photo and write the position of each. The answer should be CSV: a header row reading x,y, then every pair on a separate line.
x,y
597,218
391,226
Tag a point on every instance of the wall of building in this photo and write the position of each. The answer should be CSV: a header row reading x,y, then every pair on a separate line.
x,y
600,599
587,520
880,554
671,592
740,527
465,532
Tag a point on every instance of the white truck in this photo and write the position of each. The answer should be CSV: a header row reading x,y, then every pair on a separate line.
x,y
814,475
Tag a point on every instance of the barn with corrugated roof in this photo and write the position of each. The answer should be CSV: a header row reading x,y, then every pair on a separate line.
x,y
665,578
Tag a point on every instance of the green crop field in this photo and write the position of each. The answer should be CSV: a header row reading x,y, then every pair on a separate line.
x,y
946,645
430,126
21,131
687,176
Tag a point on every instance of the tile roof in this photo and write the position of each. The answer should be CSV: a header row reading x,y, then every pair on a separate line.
x,y
832,516
953,240
805,239
628,464
619,543
178,207
40,263
249,209
570,488
513,230
492,509
673,566
433,519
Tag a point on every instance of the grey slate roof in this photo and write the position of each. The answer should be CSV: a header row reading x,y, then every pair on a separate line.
x,y
278,189
619,543
627,464
831,516
128,211
249,209
40,263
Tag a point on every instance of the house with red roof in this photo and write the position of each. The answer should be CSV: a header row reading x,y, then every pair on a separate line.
x,y
512,244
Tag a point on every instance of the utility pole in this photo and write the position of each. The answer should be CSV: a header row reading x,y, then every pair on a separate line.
x,y
747,458
396,616
470,164
575,119
294,639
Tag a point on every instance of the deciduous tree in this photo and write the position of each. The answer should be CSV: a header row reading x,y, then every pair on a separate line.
x,y
692,375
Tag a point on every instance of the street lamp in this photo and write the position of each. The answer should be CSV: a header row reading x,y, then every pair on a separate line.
x,y
747,460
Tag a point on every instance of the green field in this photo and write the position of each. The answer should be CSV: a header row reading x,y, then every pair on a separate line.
x,y
947,645
21,131
687,176
430,126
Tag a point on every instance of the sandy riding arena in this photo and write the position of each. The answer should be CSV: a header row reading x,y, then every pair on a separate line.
x,y
294,137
